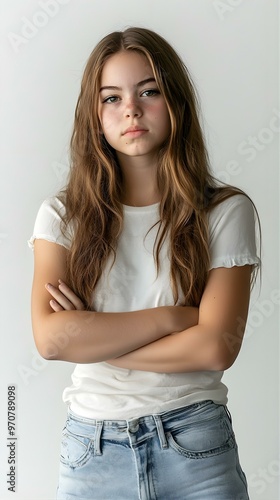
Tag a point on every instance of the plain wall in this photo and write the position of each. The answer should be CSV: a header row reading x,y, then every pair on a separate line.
x,y
230,48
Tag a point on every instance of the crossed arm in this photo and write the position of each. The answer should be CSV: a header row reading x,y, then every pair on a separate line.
x,y
163,339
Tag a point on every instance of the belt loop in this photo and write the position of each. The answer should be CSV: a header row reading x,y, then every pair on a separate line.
x,y
160,430
97,437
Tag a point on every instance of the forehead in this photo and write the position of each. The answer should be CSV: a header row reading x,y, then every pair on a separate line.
x,y
126,66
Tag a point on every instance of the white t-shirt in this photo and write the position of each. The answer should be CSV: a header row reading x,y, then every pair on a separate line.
x,y
103,391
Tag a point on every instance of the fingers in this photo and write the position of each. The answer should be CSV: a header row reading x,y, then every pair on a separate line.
x,y
63,298
59,299
71,296
55,306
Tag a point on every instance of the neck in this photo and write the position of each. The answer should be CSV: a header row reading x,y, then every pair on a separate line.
x,y
140,187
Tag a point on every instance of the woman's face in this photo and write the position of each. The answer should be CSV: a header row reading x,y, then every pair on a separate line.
x,y
133,113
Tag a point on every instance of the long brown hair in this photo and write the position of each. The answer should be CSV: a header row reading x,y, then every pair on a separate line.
x,y
92,196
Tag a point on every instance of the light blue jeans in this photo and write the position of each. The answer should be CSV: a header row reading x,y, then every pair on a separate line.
x,y
185,454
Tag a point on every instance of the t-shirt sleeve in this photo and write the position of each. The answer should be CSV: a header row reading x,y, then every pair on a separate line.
x,y
48,224
232,233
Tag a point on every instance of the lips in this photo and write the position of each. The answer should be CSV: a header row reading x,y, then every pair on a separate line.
x,y
134,129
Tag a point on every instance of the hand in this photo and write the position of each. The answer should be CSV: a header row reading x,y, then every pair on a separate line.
x,y
64,299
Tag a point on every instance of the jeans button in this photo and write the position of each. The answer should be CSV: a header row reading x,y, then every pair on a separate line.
x,y
133,427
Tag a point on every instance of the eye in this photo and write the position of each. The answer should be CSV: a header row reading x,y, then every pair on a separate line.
x,y
110,99
150,93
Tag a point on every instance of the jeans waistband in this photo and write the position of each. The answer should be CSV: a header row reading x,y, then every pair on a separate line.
x,y
136,429
182,411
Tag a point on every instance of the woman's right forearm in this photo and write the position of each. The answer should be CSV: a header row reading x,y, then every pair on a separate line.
x,y
90,337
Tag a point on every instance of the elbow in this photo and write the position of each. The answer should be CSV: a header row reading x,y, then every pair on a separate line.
x,y
43,337
47,351
223,360
222,349
222,364
51,340
47,348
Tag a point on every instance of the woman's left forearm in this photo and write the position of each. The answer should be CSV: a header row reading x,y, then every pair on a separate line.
x,y
195,349
214,343
199,348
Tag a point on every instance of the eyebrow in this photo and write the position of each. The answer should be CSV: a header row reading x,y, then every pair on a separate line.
x,y
139,84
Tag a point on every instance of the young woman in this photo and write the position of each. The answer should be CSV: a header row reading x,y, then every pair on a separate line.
x,y
143,267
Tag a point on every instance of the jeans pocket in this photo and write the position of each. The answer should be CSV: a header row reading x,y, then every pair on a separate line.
x,y
75,449
205,437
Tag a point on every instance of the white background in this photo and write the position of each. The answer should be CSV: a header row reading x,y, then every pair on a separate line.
x,y
230,48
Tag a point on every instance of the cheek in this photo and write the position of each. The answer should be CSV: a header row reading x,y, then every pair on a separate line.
x,y
108,121
161,114
105,125
109,129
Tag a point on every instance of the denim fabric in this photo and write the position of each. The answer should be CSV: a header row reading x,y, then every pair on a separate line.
x,y
184,454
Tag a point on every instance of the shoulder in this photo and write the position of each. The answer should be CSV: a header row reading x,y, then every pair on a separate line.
x,y
231,209
50,215
49,223
53,206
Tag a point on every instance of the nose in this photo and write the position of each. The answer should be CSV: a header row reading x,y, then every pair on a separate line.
x,y
132,108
